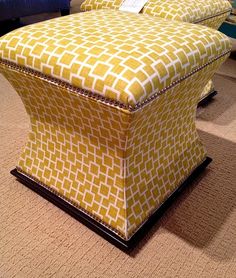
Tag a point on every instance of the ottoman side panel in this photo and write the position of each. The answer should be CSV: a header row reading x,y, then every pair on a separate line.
x,y
75,148
214,21
163,147
187,11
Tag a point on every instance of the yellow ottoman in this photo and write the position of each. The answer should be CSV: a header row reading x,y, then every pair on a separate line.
x,y
111,98
211,13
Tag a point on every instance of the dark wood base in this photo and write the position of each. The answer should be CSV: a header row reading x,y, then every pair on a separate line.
x,y
207,98
126,246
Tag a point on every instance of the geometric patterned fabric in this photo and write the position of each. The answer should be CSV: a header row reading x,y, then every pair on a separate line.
x,y
210,13
188,11
117,163
117,55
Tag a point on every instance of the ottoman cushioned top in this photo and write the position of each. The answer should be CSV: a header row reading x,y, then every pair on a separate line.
x,y
182,10
124,57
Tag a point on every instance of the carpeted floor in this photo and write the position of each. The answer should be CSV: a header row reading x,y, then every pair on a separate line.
x,y
196,237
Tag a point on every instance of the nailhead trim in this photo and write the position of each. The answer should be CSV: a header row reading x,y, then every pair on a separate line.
x,y
212,16
97,97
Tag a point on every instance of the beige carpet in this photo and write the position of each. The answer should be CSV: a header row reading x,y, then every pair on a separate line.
x,y
196,237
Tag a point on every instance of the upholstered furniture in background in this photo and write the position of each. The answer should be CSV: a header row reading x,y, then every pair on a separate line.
x,y
229,26
211,13
10,9
229,29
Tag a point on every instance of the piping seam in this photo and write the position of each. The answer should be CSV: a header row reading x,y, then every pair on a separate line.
x,y
100,98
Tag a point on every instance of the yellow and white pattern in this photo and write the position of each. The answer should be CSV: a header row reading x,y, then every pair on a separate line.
x,y
188,11
207,12
89,5
210,13
116,166
120,56
117,163
214,21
